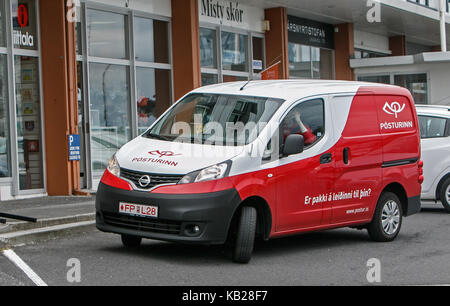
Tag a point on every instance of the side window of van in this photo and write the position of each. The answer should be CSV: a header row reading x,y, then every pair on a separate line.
x,y
306,119
432,127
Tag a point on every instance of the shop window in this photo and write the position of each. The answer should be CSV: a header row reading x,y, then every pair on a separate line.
x,y
4,120
110,116
153,92
432,127
29,128
299,61
24,24
234,51
209,79
383,79
208,48
107,34
151,40
416,83
310,62
307,119
78,37
2,24
258,52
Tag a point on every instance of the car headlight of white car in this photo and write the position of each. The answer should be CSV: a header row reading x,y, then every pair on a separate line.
x,y
113,166
215,172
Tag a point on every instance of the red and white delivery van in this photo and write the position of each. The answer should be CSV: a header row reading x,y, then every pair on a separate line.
x,y
265,159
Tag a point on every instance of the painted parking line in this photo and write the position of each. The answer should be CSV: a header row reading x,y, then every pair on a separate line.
x,y
18,262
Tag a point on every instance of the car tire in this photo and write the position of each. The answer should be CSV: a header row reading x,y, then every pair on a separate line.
x,y
445,194
387,220
131,241
245,238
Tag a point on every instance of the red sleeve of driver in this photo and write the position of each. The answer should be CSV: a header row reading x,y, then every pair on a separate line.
x,y
309,137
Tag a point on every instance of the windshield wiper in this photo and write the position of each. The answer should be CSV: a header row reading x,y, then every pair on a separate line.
x,y
159,137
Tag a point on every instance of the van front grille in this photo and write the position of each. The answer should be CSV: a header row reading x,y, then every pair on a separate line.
x,y
143,224
155,179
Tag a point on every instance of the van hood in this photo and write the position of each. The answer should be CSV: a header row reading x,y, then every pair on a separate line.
x,y
164,157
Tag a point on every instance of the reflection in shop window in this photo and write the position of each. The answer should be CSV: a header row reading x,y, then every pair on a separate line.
x,y
299,61
234,51
209,79
4,120
153,92
24,24
151,40
208,48
29,129
2,24
110,117
416,83
107,34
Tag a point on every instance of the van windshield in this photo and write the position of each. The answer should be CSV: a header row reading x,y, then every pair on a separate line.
x,y
215,119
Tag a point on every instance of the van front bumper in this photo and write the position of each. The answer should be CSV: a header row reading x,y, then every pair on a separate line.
x,y
211,212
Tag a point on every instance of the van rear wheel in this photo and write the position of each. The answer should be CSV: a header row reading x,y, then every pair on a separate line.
x,y
246,232
131,241
445,195
387,221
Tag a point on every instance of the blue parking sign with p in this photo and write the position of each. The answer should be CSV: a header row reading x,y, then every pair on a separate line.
x,y
74,148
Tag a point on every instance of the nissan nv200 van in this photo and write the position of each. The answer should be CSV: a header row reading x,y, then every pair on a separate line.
x,y
242,161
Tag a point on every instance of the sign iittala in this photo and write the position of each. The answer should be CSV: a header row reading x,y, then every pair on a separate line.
x,y
23,40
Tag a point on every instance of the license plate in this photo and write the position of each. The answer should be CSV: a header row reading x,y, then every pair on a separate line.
x,y
138,210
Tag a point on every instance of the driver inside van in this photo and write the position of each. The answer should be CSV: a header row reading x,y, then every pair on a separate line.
x,y
293,124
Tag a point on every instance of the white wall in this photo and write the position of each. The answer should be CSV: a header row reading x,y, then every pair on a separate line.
x,y
438,78
372,42
253,17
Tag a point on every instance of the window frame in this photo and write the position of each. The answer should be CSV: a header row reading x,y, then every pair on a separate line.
x,y
86,59
298,103
219,71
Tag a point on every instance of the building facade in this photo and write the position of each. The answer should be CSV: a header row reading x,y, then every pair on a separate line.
x,y
102,71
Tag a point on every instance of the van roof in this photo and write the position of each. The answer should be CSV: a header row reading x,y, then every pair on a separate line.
x,y
440,110
287,89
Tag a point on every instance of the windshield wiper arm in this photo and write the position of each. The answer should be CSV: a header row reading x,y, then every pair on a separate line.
x,y
160,137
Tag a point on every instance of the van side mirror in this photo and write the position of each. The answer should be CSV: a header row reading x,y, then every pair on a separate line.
x,y
294,144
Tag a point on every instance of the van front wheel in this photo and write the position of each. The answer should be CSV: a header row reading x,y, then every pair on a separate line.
x,y
245,239
387,221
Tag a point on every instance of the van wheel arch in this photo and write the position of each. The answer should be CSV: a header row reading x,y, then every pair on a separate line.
x,y
264,221
439,186
400,192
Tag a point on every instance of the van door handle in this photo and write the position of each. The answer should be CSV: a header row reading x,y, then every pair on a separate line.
x,y
326,158
346,156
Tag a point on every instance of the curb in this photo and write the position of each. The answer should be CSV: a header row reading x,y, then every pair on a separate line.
x,y
44,234
42,223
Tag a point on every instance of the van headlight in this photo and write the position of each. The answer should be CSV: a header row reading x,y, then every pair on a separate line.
x,y
113,166
215,172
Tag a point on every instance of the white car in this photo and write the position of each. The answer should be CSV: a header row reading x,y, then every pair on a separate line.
x,y
435,132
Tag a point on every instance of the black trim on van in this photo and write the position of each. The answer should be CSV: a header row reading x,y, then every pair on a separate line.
x,y
400,162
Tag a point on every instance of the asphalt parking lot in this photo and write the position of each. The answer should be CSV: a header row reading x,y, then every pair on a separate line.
x,y
420,256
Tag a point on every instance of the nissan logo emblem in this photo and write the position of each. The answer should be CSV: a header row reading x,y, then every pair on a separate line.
x,y
145,181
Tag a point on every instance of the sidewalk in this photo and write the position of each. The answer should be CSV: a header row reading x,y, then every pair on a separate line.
x,y
56,217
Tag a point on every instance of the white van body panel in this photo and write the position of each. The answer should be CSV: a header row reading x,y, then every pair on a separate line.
x,y
435,154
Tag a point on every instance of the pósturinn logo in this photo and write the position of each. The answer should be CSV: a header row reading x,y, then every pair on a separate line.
x,y
394,108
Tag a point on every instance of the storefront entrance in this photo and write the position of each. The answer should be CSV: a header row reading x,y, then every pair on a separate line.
x,y
124,81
